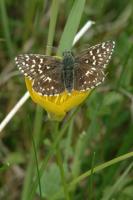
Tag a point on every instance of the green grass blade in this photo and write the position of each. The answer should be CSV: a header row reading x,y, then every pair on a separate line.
x,y
59,161
6,31
101,167
96,169
119,183
30,9
71,26
53,19
49,155
37,167
32,164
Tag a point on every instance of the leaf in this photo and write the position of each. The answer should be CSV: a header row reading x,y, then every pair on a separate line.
x,y
51,181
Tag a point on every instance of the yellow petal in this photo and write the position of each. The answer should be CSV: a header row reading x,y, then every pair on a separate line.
x,y
57,106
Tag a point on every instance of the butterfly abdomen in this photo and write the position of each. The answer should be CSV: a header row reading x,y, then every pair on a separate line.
x,y
68,67
68,80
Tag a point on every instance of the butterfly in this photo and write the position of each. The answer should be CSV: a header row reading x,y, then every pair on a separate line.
x,y
51,76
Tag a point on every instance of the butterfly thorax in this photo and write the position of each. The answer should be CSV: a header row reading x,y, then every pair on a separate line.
x,y
68,70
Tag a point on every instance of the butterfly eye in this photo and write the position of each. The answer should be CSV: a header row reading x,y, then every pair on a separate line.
x,y
67,54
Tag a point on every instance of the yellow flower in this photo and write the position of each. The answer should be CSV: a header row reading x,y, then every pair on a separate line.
x,y
57,106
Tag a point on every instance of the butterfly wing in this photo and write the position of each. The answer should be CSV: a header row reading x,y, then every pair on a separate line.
x,y
89,70
44,71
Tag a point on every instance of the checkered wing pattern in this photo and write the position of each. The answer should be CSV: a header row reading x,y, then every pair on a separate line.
x,y
44,71
89,70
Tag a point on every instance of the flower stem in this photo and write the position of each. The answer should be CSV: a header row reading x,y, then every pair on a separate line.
x,y
60,162
32,165
50,153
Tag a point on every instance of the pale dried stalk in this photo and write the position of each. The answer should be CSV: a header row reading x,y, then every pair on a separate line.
x,y
14,110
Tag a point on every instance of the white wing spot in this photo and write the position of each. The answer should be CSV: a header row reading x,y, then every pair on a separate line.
x,y
91,53
91,72
49,79
48,67
103,79
42,76
94,62
101,59
32,70
32,66
41,60
99,55
103,45
88,72
98,50
29,78
40,93
40,71
27,58
98,83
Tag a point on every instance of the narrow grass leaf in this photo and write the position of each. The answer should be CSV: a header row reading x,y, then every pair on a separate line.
x,y
71,26
6,31
96,169
53,19
30,11
118,185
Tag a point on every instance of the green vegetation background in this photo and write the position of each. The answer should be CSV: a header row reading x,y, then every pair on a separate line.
x,y
99,131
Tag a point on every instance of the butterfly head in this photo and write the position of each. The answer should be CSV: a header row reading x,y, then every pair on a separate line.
x,y
67,53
